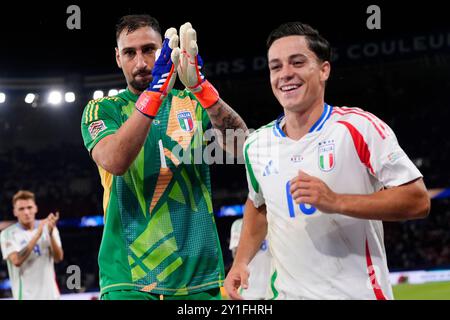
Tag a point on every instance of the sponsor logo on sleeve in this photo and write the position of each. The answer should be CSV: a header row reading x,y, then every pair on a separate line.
x,y
394,156
96,127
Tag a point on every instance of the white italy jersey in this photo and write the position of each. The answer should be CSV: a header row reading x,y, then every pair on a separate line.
x,y
35,279
259,267
316,255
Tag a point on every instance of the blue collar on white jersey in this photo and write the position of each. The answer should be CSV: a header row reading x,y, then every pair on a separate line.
x,y
315,128
36,225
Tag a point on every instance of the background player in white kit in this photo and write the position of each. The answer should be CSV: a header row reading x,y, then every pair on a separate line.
x,y
259,267
321,180
31,247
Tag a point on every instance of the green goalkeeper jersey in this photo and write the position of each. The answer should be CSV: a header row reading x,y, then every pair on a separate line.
x,y
160,235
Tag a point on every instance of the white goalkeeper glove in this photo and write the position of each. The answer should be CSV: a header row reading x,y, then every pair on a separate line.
x,y
189,68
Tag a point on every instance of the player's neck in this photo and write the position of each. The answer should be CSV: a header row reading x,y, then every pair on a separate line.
x,y
27,226
133,90
298,123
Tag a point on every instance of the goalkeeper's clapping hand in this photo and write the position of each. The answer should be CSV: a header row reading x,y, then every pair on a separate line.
x,y
164,75
189,68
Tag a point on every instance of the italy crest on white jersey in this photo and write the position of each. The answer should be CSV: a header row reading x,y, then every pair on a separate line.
x,y
316,255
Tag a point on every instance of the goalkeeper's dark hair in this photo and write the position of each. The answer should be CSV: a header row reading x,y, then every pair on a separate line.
x,y
135,21
316,43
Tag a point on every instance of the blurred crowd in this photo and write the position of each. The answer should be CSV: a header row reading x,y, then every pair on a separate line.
x,y
41,150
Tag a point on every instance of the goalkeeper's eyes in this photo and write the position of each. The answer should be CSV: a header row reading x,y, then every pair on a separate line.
x,y
148,51
129,53
274,67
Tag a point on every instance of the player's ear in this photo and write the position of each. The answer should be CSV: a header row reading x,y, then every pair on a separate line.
x,y
325,69
119,63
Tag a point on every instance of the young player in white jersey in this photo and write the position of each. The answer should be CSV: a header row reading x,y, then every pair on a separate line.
x,y
31,247
259,267
321,181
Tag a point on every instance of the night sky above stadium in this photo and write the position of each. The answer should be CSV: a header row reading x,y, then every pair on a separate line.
x,y
37,42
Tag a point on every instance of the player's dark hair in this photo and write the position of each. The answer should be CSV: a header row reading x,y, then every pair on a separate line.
x,y
23,195
135,21
316,43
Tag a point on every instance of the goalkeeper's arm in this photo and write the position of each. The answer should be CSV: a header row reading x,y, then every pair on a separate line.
x,y
116,152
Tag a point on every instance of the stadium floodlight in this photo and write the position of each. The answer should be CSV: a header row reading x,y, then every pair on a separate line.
x,y
112,92
29,98
418,162
69,97
55,97
2,97
98,94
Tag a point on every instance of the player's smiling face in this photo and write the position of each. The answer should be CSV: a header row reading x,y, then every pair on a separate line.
x,y
135,55
297,76
25,211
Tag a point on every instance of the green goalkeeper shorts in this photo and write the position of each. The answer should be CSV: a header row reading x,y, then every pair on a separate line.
x,y
212,294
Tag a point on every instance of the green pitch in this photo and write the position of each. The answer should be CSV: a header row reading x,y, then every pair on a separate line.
x,y
426,291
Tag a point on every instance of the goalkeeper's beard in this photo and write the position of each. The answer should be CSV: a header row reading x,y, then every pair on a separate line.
x,y
140,85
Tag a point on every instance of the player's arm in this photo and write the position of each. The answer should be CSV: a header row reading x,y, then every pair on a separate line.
x,y
58,252
404,202
235,234
56,248
254,230
231,130
116,152
19,257
404,196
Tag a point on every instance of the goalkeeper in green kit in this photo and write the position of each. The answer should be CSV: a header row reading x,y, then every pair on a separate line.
x,y
160,239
